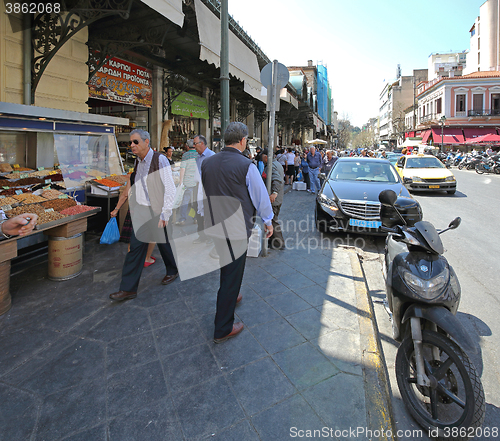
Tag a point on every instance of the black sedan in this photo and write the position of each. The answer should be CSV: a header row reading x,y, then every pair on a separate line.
x,y
348,199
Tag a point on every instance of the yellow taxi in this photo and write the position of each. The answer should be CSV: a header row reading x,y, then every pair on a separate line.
x,y
425,172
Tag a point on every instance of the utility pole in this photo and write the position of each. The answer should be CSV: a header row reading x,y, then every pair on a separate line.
x,y
224,67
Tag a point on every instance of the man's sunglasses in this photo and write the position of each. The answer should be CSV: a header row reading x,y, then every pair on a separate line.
x,y
135,141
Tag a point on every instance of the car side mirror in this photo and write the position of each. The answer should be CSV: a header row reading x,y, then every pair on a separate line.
x,y
388,198
455,223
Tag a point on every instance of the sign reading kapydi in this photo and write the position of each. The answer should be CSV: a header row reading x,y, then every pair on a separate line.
x,y
123,82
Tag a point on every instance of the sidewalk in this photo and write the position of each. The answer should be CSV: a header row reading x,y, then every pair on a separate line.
x,y
76,366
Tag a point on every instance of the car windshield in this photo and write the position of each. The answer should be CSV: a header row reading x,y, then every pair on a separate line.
x,y
424,163
363,171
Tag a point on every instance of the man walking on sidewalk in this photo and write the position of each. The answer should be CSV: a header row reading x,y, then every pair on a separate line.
x,y
235,193
188,179
200,145
151,200
315,162
276,241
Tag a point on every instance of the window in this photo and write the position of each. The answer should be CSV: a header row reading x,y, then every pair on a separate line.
x,y
495,104
477,102
438,105
460,103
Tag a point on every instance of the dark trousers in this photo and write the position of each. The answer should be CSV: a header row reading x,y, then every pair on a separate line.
x,y
231,276
201,226
134,260
306,180
276,240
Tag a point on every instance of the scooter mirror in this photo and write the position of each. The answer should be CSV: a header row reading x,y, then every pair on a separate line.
x,y
387,198
455,223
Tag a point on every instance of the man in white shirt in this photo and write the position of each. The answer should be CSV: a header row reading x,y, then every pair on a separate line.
x,y
151,200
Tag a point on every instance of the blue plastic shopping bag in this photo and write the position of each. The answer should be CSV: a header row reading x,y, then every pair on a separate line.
x,y
111,233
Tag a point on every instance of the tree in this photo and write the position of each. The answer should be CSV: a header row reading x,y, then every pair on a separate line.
x,y
398,124
364,140
344,134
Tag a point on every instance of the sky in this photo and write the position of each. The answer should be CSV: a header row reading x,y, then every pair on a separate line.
x,y
361,42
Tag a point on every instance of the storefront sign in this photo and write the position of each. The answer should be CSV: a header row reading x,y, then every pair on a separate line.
x,y
123,82
190,105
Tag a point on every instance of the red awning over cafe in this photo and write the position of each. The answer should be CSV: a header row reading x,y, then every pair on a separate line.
x,y
425,136
450,135
474,132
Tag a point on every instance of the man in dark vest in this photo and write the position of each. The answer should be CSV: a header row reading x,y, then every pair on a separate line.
x,y
151,199
235,193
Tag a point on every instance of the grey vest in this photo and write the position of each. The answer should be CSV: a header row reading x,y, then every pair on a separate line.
x,y
224,181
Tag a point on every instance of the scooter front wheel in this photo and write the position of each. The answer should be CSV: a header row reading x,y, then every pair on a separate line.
x,y
453,406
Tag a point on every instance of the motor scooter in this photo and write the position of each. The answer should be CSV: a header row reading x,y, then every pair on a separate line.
x,y
438,383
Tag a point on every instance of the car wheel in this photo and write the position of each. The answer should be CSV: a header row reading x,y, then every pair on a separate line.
x,y
451,191
320,225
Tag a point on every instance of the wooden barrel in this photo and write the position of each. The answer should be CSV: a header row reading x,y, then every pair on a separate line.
x,y
65,257
5,299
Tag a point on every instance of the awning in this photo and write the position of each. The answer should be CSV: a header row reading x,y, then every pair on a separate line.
x,y
450,135
242,61
410,134
171,9
473,132
425,136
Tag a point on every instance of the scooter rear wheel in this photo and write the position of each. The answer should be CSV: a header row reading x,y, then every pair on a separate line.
x,y
454,403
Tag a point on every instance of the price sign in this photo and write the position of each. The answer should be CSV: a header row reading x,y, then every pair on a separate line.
x,y
5,188
23,175
63,196
98,178
53,172
19,192
48,181
6,207
48,210
16,166
40,168
2,197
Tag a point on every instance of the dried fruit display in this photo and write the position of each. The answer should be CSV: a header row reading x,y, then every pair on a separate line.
x,y
8,201
77,209
59,204
121,179
49,216
108,183
51,194
11,191
29,198
33,208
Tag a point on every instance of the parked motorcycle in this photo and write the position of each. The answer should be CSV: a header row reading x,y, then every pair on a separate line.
x,y
438,383
488,166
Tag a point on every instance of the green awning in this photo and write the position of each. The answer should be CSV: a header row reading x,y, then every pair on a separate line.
x,y
190,105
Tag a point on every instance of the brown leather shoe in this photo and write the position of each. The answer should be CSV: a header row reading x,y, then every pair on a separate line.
x,y
237,328
123,295
169,279
240,297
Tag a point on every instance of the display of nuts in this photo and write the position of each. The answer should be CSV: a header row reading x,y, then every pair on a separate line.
x,y
59,204
29,198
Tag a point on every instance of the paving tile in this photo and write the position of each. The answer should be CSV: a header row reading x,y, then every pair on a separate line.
x,y
208,408
156,294
343,314
342,348
248,294
156,421
18,413
169,313
295,281
202,303
239,432
315,295
64,319
256,313
304,365
18,347
277,268
260,385
238,351
277,335
267,286
98,433
135,388
73,409
206,324
116,321
126,352
287,303
339,401
311,324
282,421
175,338
190,367
80,362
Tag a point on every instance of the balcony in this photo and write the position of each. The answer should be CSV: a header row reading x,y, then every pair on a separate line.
x,y
483,112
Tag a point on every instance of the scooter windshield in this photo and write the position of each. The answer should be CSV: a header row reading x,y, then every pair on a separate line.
x,y
431,236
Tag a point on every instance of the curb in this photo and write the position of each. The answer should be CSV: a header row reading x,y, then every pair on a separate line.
x,y
379,413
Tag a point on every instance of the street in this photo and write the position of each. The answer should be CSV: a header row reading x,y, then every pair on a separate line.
x,y
473,251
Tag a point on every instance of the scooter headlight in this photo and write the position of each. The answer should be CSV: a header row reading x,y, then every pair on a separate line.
x,y
427,289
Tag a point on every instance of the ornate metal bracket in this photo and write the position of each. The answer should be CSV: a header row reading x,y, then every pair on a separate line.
x,y
52,31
